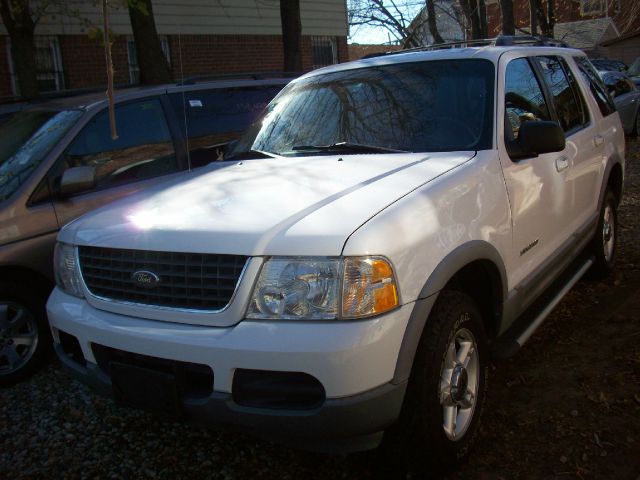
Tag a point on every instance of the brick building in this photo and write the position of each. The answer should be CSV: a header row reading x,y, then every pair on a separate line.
x,y
200,38
584,24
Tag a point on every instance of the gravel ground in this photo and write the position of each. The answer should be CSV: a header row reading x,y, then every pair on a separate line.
x,y
568,405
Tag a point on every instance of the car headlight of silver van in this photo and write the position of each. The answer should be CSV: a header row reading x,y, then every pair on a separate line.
x,y
67,270
323,288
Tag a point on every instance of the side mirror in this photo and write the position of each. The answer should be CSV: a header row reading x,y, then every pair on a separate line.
x,y
535,138
77,179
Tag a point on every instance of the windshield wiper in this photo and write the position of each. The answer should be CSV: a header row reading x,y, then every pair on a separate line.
x,y
346,147
250,154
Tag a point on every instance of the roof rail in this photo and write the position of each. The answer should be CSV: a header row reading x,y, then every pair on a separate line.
x,y
537,40
499,41
240,75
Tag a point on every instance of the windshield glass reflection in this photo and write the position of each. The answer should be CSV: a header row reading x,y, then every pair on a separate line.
x,y
418,107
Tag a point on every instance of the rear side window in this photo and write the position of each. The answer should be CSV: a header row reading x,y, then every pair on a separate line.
x,y
524,101
216,117
568,106
597,88
143,149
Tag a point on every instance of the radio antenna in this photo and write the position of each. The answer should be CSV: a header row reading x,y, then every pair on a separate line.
x,y
184,102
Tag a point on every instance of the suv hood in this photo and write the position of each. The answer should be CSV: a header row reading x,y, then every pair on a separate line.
x,y
281,206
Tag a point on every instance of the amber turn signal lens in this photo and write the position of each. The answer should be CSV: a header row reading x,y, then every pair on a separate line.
x,y
369,287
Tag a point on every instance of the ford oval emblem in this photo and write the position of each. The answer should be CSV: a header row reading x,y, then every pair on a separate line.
x,y
145,279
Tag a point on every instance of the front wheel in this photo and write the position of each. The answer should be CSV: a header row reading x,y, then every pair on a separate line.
x,y
25,340
446,391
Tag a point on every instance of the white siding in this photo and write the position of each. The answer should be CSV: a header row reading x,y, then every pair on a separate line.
x,y
211,17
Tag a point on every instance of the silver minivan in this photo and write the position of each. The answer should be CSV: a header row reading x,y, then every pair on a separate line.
x,y
58,161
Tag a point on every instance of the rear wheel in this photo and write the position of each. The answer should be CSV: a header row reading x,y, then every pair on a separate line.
x,y
446,390
25,339
604,243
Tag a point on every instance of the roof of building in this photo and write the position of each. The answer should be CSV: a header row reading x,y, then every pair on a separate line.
x,y
586,34
624,37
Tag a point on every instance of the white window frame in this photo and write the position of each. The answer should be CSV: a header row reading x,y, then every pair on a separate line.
x,y
40,41
134,67
591,7
323,41
54,49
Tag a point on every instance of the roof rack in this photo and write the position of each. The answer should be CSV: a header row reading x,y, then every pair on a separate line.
x,y
499,41
235,76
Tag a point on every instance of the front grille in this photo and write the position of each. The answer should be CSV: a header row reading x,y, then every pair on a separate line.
x,y
193,281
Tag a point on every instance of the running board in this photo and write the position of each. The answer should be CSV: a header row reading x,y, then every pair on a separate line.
x,y
513,341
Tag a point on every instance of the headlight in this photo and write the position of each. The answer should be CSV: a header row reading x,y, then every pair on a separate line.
x,y
323,288
67,270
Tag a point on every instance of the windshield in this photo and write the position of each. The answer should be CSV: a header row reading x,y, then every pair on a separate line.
x,y
444,105
25,140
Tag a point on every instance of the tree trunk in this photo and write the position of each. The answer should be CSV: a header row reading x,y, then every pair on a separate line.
x,y
151,60
546,21
482,19
17,19
533,16
551,16
473,10
508,23
291,35
433,24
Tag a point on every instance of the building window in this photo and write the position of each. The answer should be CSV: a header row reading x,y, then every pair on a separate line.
x,y
49,72
590,7
324,50
134,67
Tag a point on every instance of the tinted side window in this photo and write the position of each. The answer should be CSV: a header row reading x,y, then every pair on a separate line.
x,y
577,93
216,117
143,149
598,90
567,107
524,101
618,85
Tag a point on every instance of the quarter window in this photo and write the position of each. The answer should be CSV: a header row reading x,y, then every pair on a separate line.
x,y
598,90
143,149
524,100
568,108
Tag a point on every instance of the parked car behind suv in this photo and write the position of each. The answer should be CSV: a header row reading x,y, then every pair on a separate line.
x,y
384,228
58,161
626,97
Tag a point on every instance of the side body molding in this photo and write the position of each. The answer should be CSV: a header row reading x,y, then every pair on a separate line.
x,y
456,260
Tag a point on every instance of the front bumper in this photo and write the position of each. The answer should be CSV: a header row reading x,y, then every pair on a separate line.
x,y
353,361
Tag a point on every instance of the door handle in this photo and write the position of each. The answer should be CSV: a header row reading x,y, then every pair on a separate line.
x,y
562,163
598,140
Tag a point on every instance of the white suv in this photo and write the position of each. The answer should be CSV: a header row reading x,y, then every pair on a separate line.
x,y
385,227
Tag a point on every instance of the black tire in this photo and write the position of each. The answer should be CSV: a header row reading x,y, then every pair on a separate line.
x,y
604,244
419,439
636,124
22,319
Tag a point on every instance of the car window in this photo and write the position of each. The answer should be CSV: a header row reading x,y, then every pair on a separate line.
x,y
25,140
216,117
618,85
569,111
524,100
143,149
597,87
577,93
444,105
